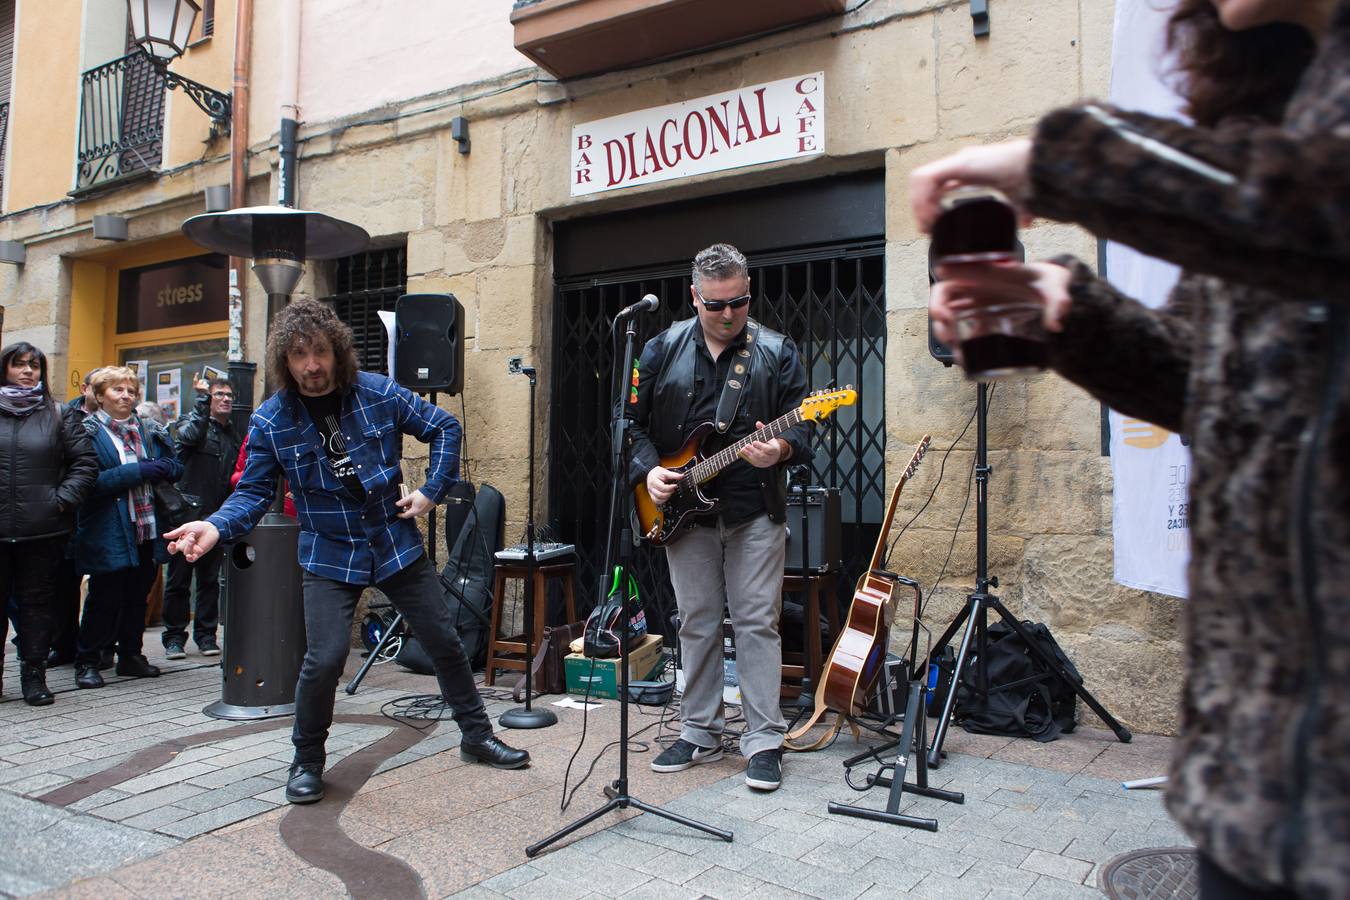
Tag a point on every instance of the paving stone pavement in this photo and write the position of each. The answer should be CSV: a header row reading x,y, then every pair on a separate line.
x,y
1039,820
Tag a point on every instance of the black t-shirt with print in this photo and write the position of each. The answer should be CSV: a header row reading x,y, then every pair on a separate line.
x,y
326,411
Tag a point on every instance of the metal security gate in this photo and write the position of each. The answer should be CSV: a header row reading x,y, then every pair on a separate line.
x,y
830,301
364,285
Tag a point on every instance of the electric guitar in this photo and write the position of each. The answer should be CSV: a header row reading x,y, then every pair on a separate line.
x,y
662,524
856,657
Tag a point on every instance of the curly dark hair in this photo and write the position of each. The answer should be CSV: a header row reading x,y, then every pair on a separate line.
x,y
1224,74
301,321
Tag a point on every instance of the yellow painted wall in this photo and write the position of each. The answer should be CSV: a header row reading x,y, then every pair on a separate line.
x,y
210,62
93,306
44,103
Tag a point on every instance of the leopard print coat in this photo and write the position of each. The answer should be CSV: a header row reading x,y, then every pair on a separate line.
x,y
1248,358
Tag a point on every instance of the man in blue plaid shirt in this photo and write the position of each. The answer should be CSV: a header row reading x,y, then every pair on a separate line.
x,y
336,434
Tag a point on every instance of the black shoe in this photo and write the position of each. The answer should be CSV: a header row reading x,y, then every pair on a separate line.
x,y
87,676
59,659
493,752
208,646
105,660
136,666
683,755
306,783
33,682
765,772
173,649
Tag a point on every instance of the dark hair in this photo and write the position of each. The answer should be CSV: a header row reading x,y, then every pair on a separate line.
x,y
220,381
303,320
20,348
1223,73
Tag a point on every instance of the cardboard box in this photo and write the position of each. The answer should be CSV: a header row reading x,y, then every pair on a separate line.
x,y
643,662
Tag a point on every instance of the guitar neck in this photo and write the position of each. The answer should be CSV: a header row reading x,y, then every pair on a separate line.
x,y
709,467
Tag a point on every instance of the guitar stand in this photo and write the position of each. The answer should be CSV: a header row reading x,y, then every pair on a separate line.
x,y
913,738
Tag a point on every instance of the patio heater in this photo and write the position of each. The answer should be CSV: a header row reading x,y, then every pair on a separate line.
x,y
262,612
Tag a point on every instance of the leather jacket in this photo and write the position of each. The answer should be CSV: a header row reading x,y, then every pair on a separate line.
x,y
661,413
207,450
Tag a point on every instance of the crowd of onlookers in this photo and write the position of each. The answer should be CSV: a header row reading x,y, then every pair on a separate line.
x,y
79,485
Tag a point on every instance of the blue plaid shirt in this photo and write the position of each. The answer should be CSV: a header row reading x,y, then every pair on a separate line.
x,y
340,537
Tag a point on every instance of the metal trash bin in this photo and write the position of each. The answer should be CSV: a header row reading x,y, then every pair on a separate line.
x,y
263,623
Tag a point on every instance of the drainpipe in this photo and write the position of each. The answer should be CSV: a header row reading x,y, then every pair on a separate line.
x,y
241,373
288,98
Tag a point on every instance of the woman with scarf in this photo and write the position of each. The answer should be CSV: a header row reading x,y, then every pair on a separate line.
x,y
47,467
117,541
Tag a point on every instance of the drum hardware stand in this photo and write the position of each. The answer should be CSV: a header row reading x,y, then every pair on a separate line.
x,y
975,615
913,739
618,554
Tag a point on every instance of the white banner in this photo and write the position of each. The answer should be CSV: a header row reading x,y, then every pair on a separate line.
x,y
1151,467
782,119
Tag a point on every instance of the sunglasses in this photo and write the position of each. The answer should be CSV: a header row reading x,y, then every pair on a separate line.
x,y
719,305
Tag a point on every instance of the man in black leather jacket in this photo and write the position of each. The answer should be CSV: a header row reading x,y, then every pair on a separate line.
x,y
724,368
207,445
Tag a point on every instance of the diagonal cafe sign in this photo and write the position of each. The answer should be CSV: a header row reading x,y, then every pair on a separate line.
x,y
782,119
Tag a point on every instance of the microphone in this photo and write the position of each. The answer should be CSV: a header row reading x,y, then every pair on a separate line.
x,y
648,303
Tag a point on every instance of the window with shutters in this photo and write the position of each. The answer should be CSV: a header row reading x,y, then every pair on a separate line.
x,y
364,285
121,120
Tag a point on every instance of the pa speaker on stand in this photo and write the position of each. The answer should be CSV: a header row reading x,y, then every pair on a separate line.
x,y
429,343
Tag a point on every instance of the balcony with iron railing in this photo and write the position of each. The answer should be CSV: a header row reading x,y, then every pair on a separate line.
x,y
121,122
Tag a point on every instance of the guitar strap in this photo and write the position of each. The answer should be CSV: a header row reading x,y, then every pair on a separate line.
x,y
738,377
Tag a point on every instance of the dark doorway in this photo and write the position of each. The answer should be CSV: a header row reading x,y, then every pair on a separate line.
x,y
827,295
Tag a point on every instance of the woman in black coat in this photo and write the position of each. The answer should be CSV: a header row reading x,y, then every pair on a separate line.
x,y
47,467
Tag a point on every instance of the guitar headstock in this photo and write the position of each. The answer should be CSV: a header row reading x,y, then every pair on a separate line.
x,y
914,460
820,404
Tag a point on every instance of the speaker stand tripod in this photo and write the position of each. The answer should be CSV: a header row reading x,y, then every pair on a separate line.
x,y
975,615
617,553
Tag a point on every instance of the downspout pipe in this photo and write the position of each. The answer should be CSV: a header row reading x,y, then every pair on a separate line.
x,y
289,101
242,373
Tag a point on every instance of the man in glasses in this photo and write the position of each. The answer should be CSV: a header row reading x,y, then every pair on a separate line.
x,y
207,444
722,367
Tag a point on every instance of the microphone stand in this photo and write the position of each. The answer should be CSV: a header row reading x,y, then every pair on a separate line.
x,y
527,717
618,555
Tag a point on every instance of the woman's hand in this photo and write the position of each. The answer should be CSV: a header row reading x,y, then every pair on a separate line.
x,y
1005,167
987,284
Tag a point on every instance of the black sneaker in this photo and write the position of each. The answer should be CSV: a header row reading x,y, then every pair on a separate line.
x,y
208,646
683,755
175,650
765,772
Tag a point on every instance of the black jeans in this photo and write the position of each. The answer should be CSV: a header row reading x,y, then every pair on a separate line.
x,y
330,605
115,609
66,610
178,593
28,575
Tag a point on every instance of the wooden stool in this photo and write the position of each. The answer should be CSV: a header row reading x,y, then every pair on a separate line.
x,y
801,665
509,652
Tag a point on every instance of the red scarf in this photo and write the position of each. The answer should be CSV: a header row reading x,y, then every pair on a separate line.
x,y
142,498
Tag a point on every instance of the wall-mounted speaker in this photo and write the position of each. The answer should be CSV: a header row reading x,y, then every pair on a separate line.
x,y
429,343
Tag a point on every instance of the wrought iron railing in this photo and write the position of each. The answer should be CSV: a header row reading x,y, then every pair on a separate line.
x,y
4,133
121,121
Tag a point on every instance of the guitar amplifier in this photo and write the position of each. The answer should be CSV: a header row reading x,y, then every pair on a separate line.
x,y
820,509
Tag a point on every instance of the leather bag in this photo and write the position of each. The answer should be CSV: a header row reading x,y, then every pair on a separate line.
x,y
547,672
174,508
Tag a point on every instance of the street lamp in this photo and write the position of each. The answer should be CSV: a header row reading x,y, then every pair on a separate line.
x,y
160,28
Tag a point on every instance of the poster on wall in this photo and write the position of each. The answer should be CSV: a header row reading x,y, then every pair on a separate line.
x,y
168,391
142,369
1151,521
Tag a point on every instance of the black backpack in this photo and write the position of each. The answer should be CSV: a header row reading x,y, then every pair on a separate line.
x,y
1026,698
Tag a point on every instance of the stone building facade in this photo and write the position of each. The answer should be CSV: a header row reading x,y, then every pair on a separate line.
x,y
905,81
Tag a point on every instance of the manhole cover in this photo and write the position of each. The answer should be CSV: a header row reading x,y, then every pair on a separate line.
x,y
1152,875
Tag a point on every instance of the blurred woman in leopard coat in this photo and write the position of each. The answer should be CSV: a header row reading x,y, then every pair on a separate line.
x,y
1249,358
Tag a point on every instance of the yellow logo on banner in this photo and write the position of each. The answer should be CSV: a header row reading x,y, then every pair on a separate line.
x,y
1144,435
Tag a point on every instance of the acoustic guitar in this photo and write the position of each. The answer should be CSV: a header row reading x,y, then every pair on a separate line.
x,y
662,524
856,658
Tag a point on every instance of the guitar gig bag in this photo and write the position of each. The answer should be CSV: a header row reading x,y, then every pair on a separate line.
x,y
467,575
